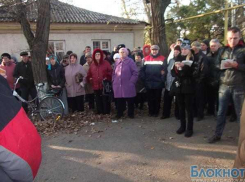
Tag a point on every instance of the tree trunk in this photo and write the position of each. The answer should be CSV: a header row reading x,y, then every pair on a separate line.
x,y
158,8
40,42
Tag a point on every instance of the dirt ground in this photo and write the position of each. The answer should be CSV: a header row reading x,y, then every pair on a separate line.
x,y
143,149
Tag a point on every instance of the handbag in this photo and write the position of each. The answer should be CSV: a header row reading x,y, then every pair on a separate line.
x,y
107,87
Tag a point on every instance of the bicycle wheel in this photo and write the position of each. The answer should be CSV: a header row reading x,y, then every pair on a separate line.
x,y
51,108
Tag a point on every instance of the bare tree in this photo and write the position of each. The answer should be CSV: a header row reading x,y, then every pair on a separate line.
x,y
158,8
38,41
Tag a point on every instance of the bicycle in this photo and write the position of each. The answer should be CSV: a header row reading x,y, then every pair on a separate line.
x,y
49,108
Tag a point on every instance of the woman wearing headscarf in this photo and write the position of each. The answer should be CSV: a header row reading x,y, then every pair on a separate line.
x,y
75,76
124,78
99,72
56,80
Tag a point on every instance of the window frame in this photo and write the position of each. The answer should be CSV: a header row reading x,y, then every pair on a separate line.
x,y
101,41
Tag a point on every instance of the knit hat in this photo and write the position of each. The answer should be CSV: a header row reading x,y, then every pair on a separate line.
x,y
24,54
120,46
177,48
206,41
155,47
196,44
116,56
185,46
6,55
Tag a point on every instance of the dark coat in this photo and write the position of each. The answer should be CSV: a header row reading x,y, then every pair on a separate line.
x,y
184,77
151,72
56,76
140,83
82,60
213,69
200,66
24,70
233,76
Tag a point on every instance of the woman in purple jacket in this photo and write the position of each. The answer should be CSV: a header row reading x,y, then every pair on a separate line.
x,y
124,78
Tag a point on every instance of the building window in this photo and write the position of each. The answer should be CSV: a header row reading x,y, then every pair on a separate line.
x,y
57,48
101,44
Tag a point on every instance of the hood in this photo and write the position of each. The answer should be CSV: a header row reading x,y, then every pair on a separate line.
x,y
146,46
101,57
240,43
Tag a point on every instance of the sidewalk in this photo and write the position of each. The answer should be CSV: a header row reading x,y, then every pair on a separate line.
x,y
139,150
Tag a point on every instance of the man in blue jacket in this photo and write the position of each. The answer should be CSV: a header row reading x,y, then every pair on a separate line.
x,y
153,75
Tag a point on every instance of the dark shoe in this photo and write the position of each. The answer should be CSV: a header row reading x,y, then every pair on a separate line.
x,y
116,117
164,117
131,117
199,119
188,133
150,115
214,139
180,130
232,119
155,115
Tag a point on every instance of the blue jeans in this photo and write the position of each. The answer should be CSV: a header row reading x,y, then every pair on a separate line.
x,y
225,94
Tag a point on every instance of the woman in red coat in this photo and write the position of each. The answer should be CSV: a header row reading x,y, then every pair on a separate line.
x,y
100,70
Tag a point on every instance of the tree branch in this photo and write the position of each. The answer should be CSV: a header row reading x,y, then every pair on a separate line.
x,y
22,19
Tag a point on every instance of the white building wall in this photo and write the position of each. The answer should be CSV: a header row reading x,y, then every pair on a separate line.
x,y
15,43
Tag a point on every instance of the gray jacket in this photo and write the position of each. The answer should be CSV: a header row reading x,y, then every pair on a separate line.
x,y
170,78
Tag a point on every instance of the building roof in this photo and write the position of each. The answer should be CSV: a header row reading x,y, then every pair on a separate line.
x,y
66,13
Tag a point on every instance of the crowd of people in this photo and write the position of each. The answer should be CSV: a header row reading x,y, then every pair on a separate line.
x,y
198,79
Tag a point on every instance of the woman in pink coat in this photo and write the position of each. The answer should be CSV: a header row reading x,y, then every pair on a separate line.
x,y
75,76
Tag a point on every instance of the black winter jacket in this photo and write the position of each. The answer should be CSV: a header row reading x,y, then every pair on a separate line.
x,y
200,66
233,76
184,77
213,69
24,70
56,76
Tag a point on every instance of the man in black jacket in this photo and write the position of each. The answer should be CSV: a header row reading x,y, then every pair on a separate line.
x,y
213,77
200,74
232,76
83,59
27,86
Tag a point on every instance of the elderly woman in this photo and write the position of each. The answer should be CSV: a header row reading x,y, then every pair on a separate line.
x,y
75,76
88,86
99,71
56,80
124,78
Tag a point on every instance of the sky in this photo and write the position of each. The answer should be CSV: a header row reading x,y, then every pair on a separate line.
x,y
110,7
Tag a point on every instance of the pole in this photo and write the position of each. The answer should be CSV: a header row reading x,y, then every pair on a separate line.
x,y
226,23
